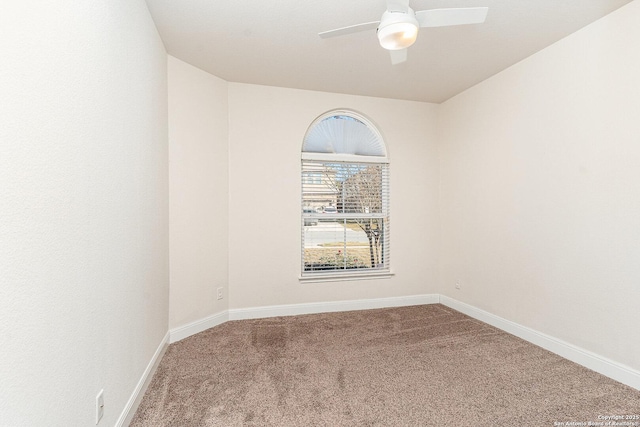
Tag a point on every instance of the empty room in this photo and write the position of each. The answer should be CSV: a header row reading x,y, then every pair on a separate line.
x,y
285,213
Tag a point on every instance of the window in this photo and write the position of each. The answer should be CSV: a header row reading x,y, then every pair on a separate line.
x,y
345,199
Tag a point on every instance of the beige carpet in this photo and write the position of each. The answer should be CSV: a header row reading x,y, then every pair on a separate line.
x,y
410,366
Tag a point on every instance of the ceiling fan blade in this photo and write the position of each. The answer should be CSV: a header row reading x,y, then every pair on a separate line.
x,y
453,16
398,5
350,30
398,56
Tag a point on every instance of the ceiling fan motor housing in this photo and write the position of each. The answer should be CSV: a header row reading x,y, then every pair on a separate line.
x,y
398,30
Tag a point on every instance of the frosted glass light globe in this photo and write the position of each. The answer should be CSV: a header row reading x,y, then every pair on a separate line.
x,y
398,30
398,36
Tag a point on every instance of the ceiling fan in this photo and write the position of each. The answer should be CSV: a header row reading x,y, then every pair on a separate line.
x,y
398,27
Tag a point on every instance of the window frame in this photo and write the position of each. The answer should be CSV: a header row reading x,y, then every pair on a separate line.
x,y
380,159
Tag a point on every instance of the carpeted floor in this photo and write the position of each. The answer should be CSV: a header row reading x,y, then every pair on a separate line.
x,y
411,366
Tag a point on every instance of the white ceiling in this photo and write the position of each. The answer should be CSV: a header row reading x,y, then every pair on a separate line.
x,y
276,43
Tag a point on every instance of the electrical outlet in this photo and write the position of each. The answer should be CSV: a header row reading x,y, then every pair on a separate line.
x,y
99,406
458,285
220,293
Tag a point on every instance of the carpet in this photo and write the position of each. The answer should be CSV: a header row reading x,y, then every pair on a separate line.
x,y
423,365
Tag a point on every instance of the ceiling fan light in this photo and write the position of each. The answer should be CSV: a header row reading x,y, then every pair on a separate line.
x,y
399,35
396,36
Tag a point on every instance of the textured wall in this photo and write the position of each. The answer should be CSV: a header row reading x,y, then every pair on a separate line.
x,y
84,210
199,192
540,183
265,139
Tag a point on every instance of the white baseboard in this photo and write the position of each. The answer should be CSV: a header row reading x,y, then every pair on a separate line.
x,y
193,328
329,307
134,401
198,326
600,364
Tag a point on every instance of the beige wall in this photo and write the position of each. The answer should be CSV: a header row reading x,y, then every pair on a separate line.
x,y
84,258
198,192
267,125
540,200
254,217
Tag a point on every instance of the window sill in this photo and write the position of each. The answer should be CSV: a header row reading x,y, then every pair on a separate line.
x,y
344,277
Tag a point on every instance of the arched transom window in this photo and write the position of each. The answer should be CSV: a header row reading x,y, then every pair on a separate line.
x,y
345,199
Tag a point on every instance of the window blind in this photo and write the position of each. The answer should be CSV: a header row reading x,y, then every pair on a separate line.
x,y
345,217
345,135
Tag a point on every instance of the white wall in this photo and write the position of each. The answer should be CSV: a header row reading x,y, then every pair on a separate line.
x,y
199,192
540,177
267,125
84,209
